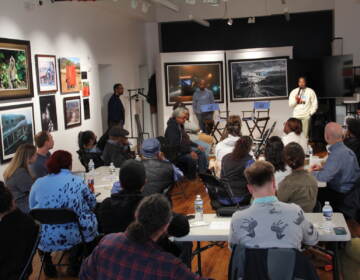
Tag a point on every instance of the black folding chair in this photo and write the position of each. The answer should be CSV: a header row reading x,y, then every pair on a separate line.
x,y
25,272
260,143
56,216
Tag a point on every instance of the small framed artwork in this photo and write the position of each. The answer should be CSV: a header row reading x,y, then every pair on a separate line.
x,y
84,75
85,89
182,80
86,103
15,69
46,73
70,76
72,111
16,127
48,113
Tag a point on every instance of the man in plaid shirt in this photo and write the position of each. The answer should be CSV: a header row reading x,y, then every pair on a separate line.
x,y
134,254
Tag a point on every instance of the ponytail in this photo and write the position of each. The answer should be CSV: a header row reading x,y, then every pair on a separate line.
x,y
137,232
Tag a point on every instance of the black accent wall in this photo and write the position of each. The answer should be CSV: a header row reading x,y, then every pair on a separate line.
x,y
309,33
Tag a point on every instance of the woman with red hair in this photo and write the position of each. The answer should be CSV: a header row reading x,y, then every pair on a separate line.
x,y
62,189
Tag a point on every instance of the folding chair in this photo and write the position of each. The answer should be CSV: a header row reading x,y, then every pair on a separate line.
x,y
258,118
141,133
260,143
56,216
217,129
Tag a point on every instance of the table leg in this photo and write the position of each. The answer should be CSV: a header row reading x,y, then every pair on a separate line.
x,y
199,258
336,271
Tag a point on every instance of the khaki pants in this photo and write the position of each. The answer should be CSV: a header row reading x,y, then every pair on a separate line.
x,y
305,126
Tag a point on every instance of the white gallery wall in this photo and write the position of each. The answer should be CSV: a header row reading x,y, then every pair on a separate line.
x,y
100,36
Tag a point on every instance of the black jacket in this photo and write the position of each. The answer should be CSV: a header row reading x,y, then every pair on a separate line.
x,y
159,176
116,111
18,233
354,144
116,154
232,171
177,138
85,158
117,212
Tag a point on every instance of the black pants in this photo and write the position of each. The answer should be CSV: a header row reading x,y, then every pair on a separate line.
x,y
335,198
188,165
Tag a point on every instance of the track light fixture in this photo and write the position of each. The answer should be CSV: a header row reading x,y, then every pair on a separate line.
x,y
251,20
230,21
200,21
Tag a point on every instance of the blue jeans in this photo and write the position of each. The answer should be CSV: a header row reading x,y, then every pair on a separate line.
x,y
202,117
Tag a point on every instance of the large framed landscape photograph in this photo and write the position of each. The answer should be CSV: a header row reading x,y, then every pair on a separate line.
x,y
72,111
15,69
70,75
46,73
182,80
16,127
258,79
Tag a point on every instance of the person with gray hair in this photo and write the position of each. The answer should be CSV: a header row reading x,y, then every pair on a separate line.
x,y
187,159
341,170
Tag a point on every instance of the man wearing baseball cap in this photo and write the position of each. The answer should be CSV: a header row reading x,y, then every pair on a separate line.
x,y
117,147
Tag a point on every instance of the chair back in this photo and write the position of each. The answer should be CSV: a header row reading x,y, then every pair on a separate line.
x,y
269,263
56,216
351,205
25,272
262,105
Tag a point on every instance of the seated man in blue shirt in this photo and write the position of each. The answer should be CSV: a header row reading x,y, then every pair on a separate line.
x,y
340,171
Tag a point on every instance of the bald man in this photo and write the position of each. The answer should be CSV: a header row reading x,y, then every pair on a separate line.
x,y
341,169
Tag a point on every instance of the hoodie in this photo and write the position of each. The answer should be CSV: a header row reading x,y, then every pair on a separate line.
x,y
225,147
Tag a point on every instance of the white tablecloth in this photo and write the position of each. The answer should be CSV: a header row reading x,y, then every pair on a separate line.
x,y
103,182
218,228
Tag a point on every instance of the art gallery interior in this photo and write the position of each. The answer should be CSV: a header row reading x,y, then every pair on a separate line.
x,y
103,42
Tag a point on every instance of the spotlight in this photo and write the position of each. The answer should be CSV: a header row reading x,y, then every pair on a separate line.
x,y
230,21
251,20
200,21
287,14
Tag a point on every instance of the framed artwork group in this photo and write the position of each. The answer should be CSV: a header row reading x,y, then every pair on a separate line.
x,y
16,81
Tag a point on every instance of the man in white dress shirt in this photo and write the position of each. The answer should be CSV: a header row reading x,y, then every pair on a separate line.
x,y
304,101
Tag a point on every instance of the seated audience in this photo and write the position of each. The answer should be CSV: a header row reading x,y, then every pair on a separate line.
x,y
185,157
88,150
62,189
340,171
274,154
352,136
269,223
17,175
18,233
117,211
232,170
160,173
231,136
135,254
300,187
44,143
293,133
117,149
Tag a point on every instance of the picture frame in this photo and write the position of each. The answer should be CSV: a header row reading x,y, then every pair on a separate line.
x,y
17,126
258,79
182,79
69,75
86,104
72,111
16,79
48,113
85,89
47,81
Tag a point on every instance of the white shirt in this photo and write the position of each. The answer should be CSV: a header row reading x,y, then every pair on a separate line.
x,y
225,147
293,137
307,95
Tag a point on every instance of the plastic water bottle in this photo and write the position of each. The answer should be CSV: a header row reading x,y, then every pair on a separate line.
x,y
90,181
199,208
112,168
310,151
138,158
91,165
327,211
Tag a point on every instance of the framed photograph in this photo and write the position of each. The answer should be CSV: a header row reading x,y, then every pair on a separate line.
x,y
17,127
48,113
85,89
15,69
182,80
46,73
258,79
72,111
86,103
70,75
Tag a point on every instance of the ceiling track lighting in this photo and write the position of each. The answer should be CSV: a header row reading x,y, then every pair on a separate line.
x,y
230,21
199,21
251,20
167,4
287,14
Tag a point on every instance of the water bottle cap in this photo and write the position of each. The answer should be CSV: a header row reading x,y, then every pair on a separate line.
x,y
198,196
327,202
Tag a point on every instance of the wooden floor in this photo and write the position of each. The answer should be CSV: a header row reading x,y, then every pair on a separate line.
x,y
214,260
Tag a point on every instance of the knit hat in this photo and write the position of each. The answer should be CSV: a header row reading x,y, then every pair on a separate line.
x,y
150,147
132,175
117,131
